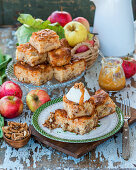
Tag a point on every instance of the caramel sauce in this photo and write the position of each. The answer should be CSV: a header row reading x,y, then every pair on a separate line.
x,y
82,96
112,78
82,89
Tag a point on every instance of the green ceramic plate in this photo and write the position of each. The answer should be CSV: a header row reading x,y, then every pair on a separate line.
x,y
108,125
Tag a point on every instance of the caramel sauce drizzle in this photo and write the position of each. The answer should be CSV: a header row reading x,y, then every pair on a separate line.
x,y
82,89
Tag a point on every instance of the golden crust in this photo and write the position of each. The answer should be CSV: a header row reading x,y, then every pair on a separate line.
x,y
59,57
37,75
103,103
28,54
44,35
72,64
27,47
75,110
38,68
45,40
80,125
104,115
69,71
63,113
100,97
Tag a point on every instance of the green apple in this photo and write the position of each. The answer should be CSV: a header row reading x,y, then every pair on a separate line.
x,y
75,33
36,98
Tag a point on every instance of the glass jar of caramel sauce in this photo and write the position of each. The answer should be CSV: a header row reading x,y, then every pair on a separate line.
x,y
112,77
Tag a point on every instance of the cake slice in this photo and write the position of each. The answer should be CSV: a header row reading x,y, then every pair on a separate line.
x,y
45,40
104,105
75,110
69,71
80,125
28,54
77,102
59,57
36,75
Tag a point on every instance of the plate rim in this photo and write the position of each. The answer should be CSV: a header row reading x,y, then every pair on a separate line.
x,y
60,99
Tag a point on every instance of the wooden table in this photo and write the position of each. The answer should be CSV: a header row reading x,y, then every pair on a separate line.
x,y
38,156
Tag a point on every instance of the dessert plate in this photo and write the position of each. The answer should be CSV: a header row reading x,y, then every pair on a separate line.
x,y
52,84
108,125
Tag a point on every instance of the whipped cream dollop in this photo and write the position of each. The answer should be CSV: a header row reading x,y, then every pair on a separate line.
x,y
75,94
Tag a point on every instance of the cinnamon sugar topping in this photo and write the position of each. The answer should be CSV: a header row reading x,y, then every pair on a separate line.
x,y
44,34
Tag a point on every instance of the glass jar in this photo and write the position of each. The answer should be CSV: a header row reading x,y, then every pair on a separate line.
x,y
112,77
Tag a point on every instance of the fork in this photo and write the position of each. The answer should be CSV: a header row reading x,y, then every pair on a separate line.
x,y
125,107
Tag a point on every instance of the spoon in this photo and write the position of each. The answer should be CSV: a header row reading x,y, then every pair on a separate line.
x,y
101,54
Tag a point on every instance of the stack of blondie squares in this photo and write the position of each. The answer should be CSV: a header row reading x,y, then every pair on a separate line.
x,y
45,57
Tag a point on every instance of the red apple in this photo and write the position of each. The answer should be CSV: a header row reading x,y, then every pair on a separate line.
x,y
10,89
11,106
83,21
84,48
91,42
1,92
129,66
49,18
62,17
36,98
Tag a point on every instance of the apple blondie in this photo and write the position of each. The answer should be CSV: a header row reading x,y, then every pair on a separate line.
x,y
80,125
59,57
69,71
28,54
77,102
75,110
104,105
45,40
36,75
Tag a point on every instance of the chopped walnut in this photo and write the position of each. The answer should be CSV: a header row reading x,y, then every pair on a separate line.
x,y
50,122
79,86
16,131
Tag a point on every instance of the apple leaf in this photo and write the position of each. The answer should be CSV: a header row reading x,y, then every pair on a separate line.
x,y
24,33
4,60
26,19
58,29
31,25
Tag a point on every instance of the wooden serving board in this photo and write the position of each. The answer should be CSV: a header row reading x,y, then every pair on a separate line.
x,y
74,149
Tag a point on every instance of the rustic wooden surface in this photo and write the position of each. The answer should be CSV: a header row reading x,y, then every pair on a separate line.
x,y
76,149
9,9
39,156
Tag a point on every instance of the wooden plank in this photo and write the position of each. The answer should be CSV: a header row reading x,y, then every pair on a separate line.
x,y
74,149
42,9
9,10
1,13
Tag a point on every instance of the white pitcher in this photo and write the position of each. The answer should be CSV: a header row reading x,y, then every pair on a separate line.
x,y
114,24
